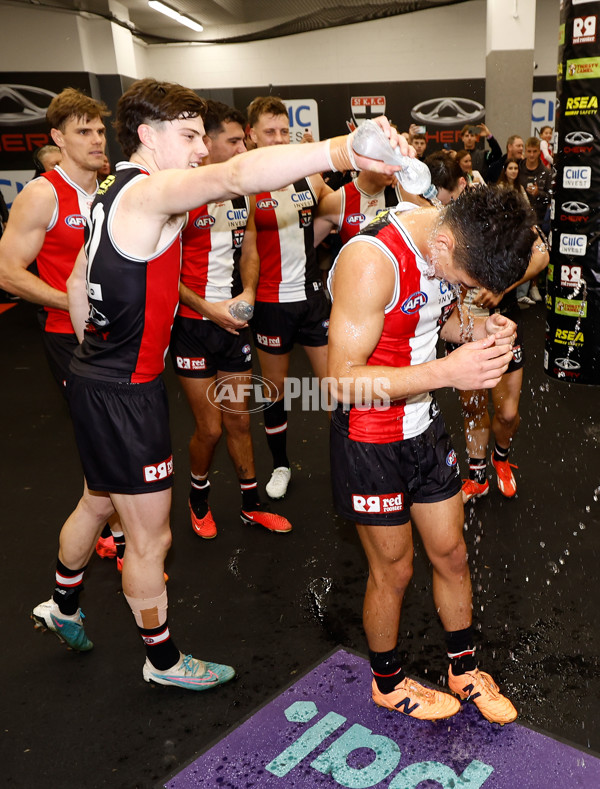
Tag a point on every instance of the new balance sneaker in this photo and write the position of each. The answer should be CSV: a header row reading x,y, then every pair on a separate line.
x,y
204,527
106,548
68,629
506,480
271,521
414,699
190,673
480,688
120,568
474,490
278,484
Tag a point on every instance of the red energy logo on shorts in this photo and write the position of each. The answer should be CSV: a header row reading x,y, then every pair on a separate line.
x,y
159,471
191,363
269,342
390,502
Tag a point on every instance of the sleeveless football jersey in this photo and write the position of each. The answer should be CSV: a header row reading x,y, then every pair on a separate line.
x,y
132,300
411,327
358,208
212,248
64,238
289,270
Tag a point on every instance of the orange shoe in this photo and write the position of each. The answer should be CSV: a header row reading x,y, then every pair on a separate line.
x,y
106,548
120,568
506,481
474,490
271,521
480,688
417,701
204,527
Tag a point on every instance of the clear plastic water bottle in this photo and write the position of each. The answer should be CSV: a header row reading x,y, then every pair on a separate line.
x,y
241,311
370,141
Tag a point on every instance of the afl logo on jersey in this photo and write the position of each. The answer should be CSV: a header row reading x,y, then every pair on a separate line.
x,y
268,202
414,303
204,221
355,219
246,349
451,458
76,221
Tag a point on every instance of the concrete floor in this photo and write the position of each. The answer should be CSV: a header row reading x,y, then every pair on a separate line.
x,y
274,605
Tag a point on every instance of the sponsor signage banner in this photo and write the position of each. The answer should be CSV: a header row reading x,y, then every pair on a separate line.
x,y
325,731
572,351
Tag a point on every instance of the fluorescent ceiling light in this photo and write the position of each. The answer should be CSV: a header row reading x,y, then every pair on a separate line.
x,y
170,12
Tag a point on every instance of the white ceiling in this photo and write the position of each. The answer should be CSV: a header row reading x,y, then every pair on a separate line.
x,y
238,20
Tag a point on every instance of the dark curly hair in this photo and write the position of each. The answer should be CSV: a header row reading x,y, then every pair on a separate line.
x,y
493,231
445,171
150,100
218,113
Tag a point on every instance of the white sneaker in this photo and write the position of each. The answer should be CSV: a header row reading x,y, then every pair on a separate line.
x,y
189,673
534,293
278,484
69,629
525,302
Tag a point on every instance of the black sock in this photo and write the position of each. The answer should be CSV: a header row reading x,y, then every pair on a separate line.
x,y
119,539
250,499
500,453
69,584
461,650
386,669
160,647
275,417
106,532
477,470
199,490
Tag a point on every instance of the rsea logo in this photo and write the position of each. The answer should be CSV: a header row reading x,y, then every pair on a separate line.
x,y
581,105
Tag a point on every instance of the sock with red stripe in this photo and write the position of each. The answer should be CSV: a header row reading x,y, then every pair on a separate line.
x,y
500,453
386,669
69,584
119,539
276,429
199,490
160,647
250,499
478,470
461,650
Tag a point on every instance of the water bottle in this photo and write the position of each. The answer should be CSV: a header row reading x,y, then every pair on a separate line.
x,y
370,141
241,311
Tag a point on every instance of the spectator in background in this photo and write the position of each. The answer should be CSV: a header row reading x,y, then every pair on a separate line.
x,y
481,159
509,177
514,150
537,181
104,171
546,153
45,159
465,162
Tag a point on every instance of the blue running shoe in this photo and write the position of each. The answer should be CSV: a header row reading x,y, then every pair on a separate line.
x,y
69,629
190,673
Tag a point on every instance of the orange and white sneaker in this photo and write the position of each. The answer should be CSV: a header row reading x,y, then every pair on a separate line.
x,y
271,521
480,688
474,490
417,701
506,481
106,548
204,527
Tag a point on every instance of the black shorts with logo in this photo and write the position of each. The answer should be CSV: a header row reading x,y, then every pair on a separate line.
x,y
200,348
122,433
59,349
277,327
376,484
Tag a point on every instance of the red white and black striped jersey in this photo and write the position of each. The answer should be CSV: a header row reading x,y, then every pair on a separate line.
x,y
64,238
289,270
212,248
411,327
132,300
358,208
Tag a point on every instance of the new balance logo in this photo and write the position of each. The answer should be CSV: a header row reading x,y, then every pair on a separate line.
x,y
404,706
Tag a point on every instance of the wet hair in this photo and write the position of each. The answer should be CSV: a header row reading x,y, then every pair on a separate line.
x,y
218,113
445,171
532,142
503,180
149,100
265,105
71,103
493,232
